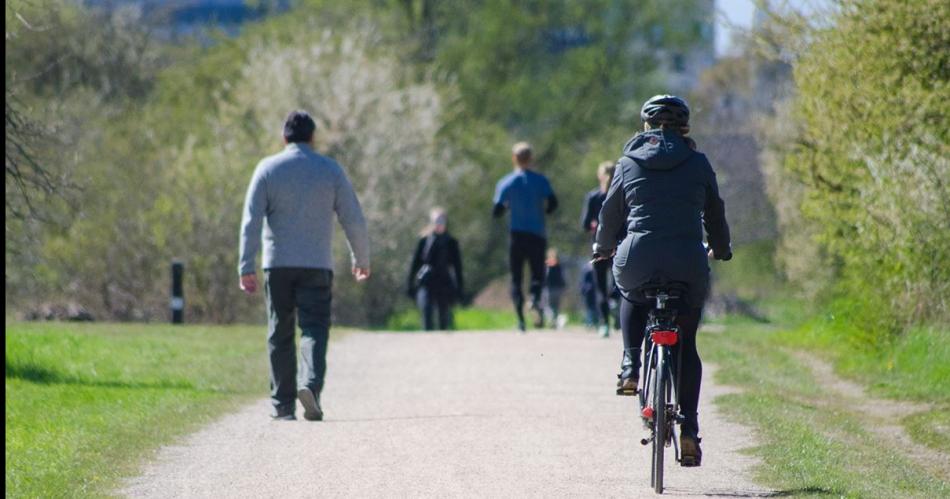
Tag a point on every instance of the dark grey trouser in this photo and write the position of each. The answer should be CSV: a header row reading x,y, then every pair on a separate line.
x,y
293,292
554,301
601,269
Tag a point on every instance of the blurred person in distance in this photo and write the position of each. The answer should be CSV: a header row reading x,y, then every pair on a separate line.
x,y
590,211
435,275
554,285
528,195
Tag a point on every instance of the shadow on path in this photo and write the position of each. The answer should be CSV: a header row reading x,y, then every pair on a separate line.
x,y
804,491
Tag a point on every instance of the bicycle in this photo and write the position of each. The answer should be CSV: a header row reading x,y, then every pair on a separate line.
x,y
659,395
658,390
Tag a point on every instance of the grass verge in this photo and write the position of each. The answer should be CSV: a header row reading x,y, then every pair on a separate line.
x,y
931,428
913,366
468,319
85,403
811,445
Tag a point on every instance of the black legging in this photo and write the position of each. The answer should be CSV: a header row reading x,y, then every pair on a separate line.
x,y
633,321
526,247
435,302
601,268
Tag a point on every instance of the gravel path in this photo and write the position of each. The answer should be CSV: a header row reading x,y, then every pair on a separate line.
x,y
453,415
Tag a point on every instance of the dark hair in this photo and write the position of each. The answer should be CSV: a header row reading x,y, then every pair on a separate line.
x,y
299,127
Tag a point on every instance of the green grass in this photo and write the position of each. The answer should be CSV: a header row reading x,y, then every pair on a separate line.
x,y
914,365
465,319
750,274
930,428
810,444
86,403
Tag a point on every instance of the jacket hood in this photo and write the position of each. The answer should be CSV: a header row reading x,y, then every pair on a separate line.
x,y
658,150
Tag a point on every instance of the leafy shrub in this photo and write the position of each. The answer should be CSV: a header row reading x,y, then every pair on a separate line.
x,y
869,169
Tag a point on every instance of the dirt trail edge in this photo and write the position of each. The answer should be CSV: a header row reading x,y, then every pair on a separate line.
x,y
453,415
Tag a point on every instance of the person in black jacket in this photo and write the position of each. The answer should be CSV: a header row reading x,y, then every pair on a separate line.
x,y
664,193
591,210
435,276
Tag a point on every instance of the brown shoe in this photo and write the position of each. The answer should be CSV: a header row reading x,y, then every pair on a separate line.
x,y
629,367
627,386
690,453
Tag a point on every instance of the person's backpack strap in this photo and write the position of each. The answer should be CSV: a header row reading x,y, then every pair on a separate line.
x,y
430,241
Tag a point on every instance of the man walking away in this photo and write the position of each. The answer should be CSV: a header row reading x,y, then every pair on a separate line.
x,y
293,196
528,195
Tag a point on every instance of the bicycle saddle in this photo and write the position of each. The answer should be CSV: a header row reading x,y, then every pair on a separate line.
x,y
674,289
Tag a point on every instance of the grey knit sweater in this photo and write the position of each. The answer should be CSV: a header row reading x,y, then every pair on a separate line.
x,y
293,195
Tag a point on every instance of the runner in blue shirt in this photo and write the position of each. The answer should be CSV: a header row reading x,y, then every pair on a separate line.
x,y
529,197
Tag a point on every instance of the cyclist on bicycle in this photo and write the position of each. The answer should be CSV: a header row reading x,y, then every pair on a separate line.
x,y
663,192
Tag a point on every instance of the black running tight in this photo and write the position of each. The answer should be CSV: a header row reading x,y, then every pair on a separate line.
x,y
601,269
525,247
633,322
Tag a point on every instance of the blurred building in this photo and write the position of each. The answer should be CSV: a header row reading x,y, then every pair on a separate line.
x,y
185,18
683,67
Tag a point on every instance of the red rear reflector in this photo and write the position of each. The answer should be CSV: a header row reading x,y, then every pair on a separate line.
x,y
664,337
647,412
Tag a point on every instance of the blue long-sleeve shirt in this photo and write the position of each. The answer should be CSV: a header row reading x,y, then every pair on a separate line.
x,y
529,196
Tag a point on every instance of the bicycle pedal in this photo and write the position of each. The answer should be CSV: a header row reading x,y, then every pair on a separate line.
x,y
627,392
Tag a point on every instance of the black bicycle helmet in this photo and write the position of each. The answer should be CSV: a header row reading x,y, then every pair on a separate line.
x,y
665,110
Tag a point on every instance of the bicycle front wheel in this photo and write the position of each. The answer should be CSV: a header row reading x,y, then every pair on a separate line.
x,y
660,389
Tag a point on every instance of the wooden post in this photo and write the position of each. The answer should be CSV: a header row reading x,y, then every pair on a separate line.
x,y
178,293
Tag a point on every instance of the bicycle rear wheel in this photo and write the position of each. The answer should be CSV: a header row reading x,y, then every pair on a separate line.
x,y
660,428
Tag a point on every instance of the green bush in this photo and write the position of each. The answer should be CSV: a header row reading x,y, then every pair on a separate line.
x,y
869,168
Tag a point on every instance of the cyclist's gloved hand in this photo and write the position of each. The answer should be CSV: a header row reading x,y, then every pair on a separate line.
x,y
602,253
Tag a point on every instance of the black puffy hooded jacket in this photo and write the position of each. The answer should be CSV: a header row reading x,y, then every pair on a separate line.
x,y
664,193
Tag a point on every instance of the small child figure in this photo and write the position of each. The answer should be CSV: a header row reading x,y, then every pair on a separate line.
x,y
554,284
588,291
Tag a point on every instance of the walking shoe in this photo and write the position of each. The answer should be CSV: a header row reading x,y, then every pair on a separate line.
x,y
690,453
603,331
311,405
283,414
538,317
521,326
629,368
